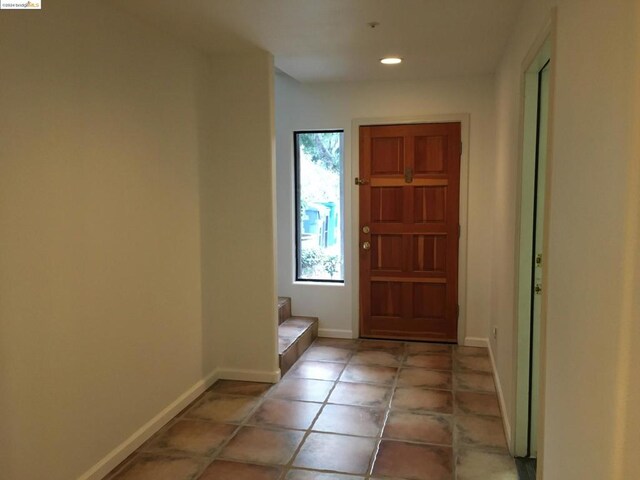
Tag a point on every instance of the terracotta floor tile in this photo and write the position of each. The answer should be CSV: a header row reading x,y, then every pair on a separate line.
x,y
441,348
413,462
338,453
474,403
285,414
232,387
483,433
388,346
430,361
463,351
376,357
425,428
322,353
222,408
421,377
369,374
302,389
350,420
422,400
478,465
360,394
316,370
223,470
474,381
158,467
260,445
445,395
315,475
472,364
192,436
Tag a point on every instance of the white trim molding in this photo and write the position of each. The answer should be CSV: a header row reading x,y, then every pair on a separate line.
x,y
131,444
464,119
335,333
501,401
249,375
476,342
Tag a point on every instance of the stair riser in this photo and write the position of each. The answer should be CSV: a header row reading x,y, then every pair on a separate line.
x,y
284,310
290,356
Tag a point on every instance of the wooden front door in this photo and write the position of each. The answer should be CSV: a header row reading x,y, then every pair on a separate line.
x,y
409,230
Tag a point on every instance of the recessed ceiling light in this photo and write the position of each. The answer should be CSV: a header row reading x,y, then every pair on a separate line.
x,y
391,60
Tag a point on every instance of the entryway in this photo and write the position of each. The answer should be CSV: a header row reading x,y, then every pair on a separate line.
x,y
409,228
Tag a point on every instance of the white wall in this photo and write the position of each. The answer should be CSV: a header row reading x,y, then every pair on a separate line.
x,y
592,248
323,106
238,223
104,126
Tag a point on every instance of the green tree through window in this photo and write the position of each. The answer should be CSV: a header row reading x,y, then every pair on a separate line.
x,y
319,206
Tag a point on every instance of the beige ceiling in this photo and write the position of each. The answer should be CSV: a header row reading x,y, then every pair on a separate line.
x,y
329,40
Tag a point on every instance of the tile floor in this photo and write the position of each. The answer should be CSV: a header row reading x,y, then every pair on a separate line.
x,y
348,410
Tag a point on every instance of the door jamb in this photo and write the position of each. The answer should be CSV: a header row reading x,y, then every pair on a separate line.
x,y
464,121
545,39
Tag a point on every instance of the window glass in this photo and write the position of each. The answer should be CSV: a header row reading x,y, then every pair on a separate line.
x,y
319,206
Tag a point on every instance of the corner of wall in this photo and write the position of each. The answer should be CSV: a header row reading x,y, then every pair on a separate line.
x,y
137,438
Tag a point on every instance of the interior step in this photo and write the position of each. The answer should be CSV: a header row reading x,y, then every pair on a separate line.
x,y
295,334
284,309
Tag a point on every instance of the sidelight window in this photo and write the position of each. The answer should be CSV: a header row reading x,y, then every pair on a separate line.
x,y
319,206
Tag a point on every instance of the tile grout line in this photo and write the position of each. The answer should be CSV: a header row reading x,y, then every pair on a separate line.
x,y
207,460
394,386
239,426
288,467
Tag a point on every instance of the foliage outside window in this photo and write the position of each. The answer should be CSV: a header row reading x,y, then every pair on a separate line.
x,y
319,205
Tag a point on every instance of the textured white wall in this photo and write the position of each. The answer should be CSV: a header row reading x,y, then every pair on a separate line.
x,y
108,130
100,304
238,223
323,106
592,250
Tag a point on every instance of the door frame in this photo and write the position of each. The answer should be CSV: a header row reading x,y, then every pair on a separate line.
x,y
464,121
542,50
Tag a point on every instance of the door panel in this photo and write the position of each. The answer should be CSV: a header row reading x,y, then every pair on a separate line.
x,y
387,204
387,155
409,204
430,254
430,204
387,253
431,154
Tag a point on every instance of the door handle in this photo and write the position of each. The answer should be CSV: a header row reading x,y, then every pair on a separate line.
x,y
366,246
365,229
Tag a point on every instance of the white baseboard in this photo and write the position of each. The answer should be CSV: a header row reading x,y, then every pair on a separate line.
x,y
335,333
249,375
126,448
476,342
503,407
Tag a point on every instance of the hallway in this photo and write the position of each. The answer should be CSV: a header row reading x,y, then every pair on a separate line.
x,y
348,410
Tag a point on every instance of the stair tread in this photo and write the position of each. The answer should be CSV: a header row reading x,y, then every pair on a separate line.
x,y
301,317
292,330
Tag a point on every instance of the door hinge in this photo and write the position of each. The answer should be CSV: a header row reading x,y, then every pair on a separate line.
x,y
460,149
